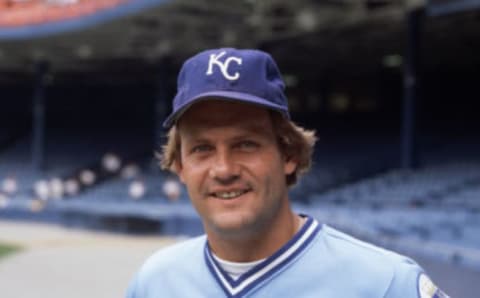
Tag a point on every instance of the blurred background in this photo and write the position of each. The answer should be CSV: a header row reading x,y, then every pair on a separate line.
x,y
389,85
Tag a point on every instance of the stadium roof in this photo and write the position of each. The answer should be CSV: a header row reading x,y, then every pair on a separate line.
x,y
27,19
123,38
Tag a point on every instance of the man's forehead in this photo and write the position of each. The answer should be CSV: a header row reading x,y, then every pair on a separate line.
x,y
220,112
241,127
225,115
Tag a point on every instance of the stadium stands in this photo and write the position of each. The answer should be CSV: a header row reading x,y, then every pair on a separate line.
x,y
335,164
455,184
446,235
432,210
66,155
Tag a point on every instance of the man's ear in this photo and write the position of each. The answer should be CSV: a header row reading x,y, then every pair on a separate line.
x,y
290,165
178,169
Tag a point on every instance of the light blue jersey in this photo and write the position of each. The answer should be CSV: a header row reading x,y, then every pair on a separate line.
x,y
318,261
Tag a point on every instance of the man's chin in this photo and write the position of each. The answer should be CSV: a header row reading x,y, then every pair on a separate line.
x,y
232,225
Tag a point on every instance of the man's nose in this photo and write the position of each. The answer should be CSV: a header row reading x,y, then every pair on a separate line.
x,y
224,168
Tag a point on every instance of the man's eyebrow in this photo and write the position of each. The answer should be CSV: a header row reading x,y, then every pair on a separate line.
x,y
198,139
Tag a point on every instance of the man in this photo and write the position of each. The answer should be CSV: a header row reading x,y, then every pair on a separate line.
x,y
232,144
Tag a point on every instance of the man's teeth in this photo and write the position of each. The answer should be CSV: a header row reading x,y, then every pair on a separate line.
x,y
229,194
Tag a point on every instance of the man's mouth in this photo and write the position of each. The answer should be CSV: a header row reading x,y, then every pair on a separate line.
x,y
229,195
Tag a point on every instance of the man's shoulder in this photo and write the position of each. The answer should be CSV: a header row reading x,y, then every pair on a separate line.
x,y
173,256
364,262
165,267
358,250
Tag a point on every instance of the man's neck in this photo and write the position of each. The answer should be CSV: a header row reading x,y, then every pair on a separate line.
x,y
258,245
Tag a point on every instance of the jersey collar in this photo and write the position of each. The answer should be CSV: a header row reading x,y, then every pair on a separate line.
x,y
260,273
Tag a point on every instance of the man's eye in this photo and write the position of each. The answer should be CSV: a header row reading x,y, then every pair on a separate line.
x,y
201,148
247,145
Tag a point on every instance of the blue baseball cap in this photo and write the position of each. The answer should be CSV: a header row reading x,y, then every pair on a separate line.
x,y
250,76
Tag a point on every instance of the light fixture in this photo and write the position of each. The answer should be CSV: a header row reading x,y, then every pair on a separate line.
x,y
339,102
136,190
306,19
111,162
392,61
84,51
130,171
290,80
10,185
171,188
56,188
41,189
3,201
87,177
71,187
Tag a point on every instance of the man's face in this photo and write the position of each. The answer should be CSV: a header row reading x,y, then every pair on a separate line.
x,y
232,166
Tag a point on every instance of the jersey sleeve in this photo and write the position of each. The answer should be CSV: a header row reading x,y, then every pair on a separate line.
x,y
411,281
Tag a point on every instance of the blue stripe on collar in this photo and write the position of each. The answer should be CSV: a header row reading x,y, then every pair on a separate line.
x,y
263,271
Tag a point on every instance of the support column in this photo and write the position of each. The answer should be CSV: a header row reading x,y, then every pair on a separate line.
x,y
161,104
409,150
38,121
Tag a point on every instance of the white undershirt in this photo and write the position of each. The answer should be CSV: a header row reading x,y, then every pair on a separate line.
x,y
235,269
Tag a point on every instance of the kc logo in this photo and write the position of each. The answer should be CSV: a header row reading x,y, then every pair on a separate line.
x,y
214,60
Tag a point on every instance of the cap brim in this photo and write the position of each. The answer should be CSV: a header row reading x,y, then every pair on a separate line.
x,y
225,95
